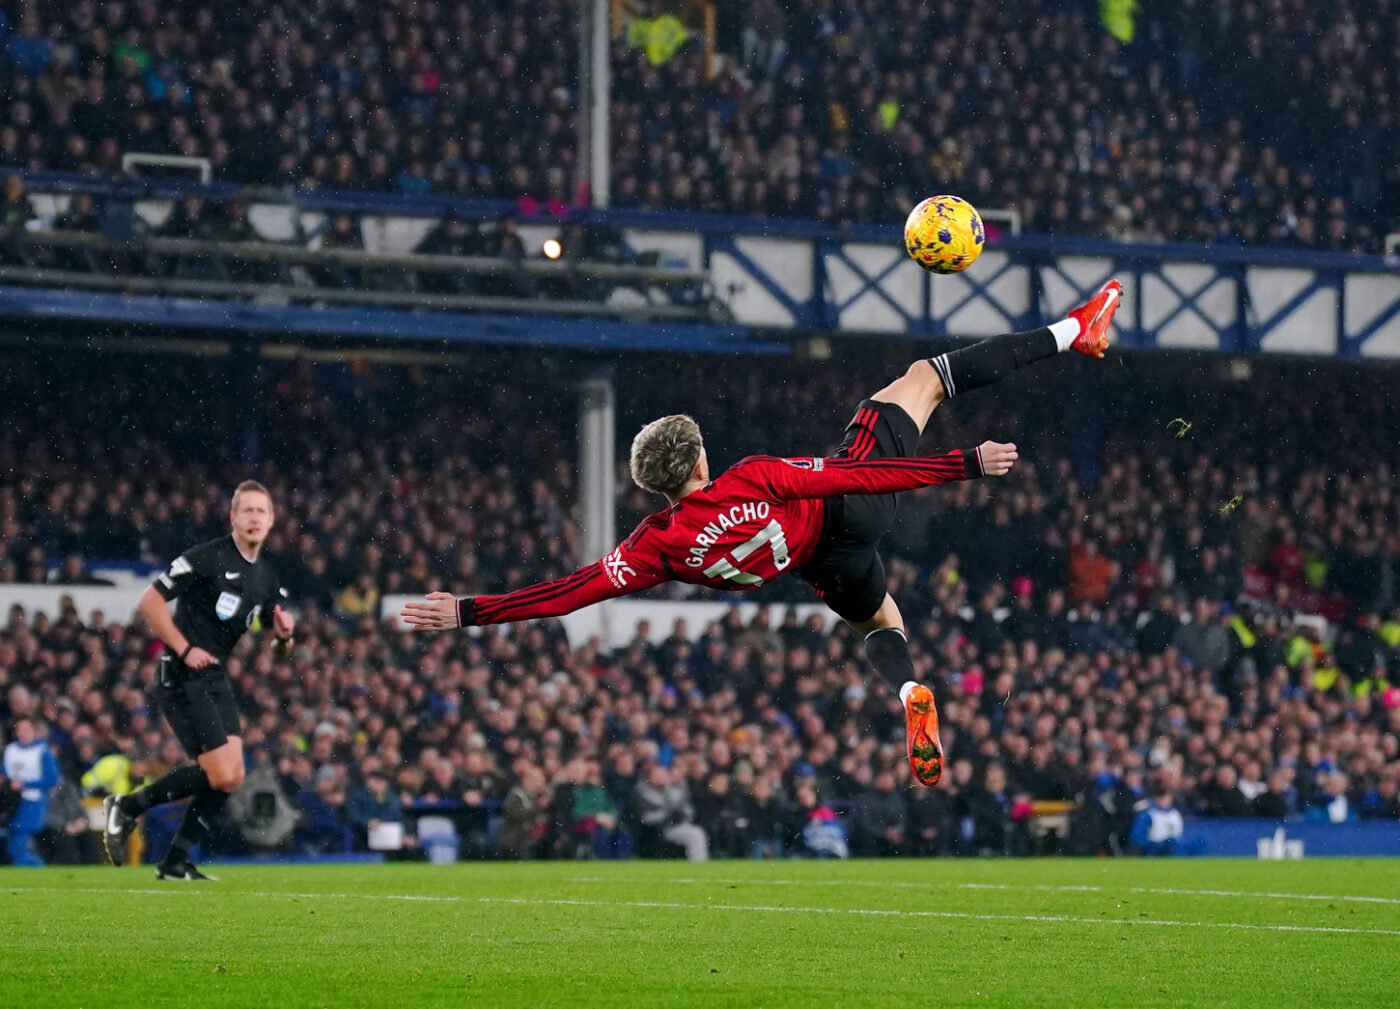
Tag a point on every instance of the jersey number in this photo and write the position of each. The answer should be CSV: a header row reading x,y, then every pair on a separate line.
x,y
771,534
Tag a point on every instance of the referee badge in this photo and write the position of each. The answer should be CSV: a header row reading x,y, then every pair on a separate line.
x,y
227,605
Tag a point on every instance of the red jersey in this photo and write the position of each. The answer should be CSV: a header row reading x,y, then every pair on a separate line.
x,y
760,518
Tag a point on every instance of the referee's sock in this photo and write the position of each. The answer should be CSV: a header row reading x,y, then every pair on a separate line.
x,y
180,783
195,827
990,361
887,649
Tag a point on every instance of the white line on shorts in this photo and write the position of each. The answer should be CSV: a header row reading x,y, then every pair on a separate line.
x,y
1053,919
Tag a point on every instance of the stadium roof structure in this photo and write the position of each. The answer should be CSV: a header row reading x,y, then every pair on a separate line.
x,y
686,282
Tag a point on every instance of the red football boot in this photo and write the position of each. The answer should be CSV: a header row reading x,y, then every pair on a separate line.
x,y
921,725
1094,317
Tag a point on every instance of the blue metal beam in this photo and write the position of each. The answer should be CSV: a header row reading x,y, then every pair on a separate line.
x,y
382,323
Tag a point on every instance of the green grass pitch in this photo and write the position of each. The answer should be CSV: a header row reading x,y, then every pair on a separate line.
x,y
945,933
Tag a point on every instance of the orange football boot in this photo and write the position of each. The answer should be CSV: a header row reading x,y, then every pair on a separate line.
x,y
1094,317
921,726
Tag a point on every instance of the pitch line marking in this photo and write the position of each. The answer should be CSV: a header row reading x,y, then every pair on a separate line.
x,y
961,915
1052,919
1260,894
1046,888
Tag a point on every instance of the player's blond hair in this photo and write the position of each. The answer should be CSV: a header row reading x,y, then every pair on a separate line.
x,y
664,454
245,487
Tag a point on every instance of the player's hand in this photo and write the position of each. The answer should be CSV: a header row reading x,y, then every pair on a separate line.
x,y
198,658
283,623
997,458
438,612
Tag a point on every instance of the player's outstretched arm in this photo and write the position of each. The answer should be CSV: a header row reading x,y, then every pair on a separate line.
x,y
997,458
621,573
436,612
789,479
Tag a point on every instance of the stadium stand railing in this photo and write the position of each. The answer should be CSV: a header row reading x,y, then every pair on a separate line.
x,y
723,282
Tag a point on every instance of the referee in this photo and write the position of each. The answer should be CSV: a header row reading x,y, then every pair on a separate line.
x,y
224,589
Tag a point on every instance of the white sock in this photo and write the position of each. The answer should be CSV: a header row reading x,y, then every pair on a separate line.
x,y
905,690
1065,332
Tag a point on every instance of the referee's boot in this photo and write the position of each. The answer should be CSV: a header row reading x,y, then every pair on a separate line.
x,y
183,871
921,724
117,825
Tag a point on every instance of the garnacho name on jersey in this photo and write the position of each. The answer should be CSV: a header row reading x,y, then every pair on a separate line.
x,y
749,511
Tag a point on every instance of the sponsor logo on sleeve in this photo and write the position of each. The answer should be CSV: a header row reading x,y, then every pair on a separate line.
x,y
617,569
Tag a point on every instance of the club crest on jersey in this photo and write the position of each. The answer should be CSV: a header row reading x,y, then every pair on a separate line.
x,y
617,569
227,605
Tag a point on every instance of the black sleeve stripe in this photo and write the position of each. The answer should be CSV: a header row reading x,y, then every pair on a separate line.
x,y
492,610
537,593
525,596
937,465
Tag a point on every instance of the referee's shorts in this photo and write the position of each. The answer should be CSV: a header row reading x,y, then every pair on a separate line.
x,y
198,704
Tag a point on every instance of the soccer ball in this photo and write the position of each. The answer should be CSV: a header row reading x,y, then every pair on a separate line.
x,y
944,234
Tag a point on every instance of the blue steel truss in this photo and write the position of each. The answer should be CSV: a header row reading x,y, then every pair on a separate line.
x,y
1264,300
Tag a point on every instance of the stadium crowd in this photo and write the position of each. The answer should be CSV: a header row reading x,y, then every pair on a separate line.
x,y
1203,121
1099,641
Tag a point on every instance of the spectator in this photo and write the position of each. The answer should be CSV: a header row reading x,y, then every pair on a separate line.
x,y
358,600
16,210
723,812
985,815
1091,574
821,832
326,826
1158,829
372,803
1333,805
593,817
931,826
480,791
32,772
880,818
1203,642
763,819
662,805
1222,796
75,572
1276,803
524,822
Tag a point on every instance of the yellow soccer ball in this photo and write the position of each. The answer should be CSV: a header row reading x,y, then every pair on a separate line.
x,y
944,234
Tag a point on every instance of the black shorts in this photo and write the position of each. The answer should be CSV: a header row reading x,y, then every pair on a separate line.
x,y
847,571
198,704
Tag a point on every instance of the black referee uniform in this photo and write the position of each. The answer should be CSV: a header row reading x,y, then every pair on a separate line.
x,y
220,595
